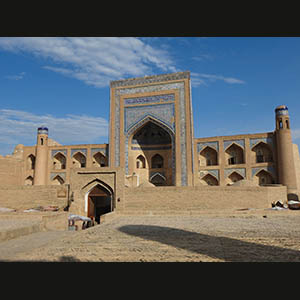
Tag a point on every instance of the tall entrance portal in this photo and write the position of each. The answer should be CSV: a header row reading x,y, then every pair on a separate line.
x,y
151,154
99,203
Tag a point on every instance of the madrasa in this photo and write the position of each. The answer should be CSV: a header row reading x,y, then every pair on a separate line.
x,y
153,163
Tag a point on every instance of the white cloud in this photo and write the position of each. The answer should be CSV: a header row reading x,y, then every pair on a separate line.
x,y
97,60
15,77
202,79
21,127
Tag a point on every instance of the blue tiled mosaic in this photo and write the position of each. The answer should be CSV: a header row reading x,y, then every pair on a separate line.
x,y
214,173
214,145
63,151
134,114
149,99
241,171
267,140
238,142
269,169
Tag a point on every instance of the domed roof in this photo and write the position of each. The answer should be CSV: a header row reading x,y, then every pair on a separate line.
x,y
280,107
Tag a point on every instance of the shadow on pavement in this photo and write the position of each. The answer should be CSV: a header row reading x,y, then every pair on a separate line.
x,y
223,248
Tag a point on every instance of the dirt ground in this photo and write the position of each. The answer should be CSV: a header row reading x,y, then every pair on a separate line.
x,y
261,235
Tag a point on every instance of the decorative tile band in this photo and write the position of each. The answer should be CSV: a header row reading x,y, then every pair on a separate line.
x,y
134,114
267,140
269,169
63,151
214,145
152,148
214,173
149,99
238,142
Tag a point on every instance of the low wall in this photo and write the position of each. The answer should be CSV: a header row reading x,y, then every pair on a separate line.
x,y
25,197
170,200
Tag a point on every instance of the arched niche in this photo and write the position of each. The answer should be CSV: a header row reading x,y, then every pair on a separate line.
x,y
157,161
57,180
158,179
99,160
208,157
59,161
233,177
208,179
140,162
234,155
79,160
30,162
29,180
263,177
261,153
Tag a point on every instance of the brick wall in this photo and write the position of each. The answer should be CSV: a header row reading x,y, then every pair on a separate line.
x,y
10,171
25,197
169,200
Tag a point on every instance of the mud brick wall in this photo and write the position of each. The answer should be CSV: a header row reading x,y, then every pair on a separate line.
x,y
170,200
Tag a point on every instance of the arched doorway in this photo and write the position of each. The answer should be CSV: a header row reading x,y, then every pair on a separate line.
x,y
99,202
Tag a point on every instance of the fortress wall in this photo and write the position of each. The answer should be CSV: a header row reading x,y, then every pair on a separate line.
x,y
192,199
10,171
297,164
25,197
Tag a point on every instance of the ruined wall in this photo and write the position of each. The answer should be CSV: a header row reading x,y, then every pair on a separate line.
x,y
25,197
178,200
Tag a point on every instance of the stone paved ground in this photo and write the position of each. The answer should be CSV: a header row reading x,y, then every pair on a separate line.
x,y
236,236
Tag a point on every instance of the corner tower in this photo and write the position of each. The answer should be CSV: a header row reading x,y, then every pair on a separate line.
x,y
285,157
41,162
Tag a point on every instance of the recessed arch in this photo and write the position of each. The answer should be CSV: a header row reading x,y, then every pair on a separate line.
x,y
263,177
158,179
157,161
57,180
79,160
29,180
261,152
100,160
209,179
140,162
234,154
30,162
208,156
98,199
234,177
59,161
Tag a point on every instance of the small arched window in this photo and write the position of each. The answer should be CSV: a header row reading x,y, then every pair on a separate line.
x,y
287,124
140,162
157,162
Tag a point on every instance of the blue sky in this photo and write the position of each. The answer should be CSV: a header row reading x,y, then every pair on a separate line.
x,y
63,83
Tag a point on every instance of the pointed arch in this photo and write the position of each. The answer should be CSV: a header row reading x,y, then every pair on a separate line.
x,y
234,154
208,156
263,177
79,160
57,180
100,160
157,161
29,180
140,162
59,161
209,179
261,152
234,177
158,179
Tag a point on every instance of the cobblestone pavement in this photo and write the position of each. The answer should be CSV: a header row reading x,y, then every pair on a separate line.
x,y
208,237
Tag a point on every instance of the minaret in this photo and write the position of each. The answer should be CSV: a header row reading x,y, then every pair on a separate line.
x,y
41,161
285,157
